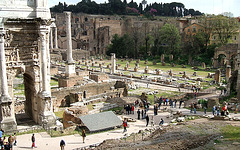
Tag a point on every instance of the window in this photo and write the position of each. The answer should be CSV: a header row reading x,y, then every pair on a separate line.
x,y
194,28
76,20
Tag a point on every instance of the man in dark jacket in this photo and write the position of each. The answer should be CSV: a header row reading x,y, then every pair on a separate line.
x,y
147,119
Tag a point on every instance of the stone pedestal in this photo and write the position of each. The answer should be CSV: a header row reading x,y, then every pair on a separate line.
x,y
228,72
146,71
46,117
217,76
70,70
162,58
171,57
135,69
113,61
7,116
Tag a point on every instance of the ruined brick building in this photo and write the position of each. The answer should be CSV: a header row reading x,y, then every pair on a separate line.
x,y
94,32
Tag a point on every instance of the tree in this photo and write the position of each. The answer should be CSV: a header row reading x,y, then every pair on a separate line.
x,y
121,46
169,36
224,27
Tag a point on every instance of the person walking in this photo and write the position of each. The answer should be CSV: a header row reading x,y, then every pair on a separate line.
x,y
10,141
125,125
161,122
205,110
83,135
15,139
1,133
142,114
213,110
195,107
138,112
147,119
62,144
33,141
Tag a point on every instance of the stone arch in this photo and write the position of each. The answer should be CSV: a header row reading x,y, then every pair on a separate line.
x,y
228,50
29,94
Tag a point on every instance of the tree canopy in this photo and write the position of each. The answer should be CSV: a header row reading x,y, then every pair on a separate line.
x,y
119,7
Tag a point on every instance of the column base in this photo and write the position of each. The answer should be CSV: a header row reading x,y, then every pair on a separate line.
x,y
70,70
47,119
8,125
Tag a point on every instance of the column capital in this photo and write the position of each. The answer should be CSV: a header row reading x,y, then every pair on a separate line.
x,y
2,34
67,13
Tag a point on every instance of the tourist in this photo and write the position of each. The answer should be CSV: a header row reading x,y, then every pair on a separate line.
x,y
1,143
191,108
152,122
125,125
138,112
10,141
213,110
175,103
166,101
161,122
195,107
62,144
195,95
1,133
15,139
147,120
33,141
170,102
218,110
180,103
132,109
205,110
225,91
142,114
5,140
83,135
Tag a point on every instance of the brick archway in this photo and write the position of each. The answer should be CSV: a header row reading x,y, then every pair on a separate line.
x,y
228,50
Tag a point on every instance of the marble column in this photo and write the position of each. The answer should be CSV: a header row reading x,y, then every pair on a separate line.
x,y
3,72
42,33
113,59
7,116
55,38
228,72
51,38
70,69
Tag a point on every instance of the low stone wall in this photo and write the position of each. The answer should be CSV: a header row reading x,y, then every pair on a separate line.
x,y
62,94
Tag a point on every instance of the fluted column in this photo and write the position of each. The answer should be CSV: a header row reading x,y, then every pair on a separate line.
x,y
113,59
7,116
69,36
55,36
44,62
51,38
3,72
70,68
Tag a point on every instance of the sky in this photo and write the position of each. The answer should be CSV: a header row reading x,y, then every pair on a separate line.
x,y
205,6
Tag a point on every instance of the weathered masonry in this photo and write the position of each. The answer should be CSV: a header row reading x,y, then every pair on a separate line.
x,y
25,32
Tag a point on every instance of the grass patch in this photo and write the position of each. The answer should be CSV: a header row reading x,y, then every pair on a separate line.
x,y
54,133
231,132
53,83
59,114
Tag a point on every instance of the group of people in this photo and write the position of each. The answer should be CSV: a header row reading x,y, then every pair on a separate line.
x,y
7,143
216,110
166,102
62,142
129,109
193,108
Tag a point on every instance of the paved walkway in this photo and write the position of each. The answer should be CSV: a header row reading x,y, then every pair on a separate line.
x,y
44,141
